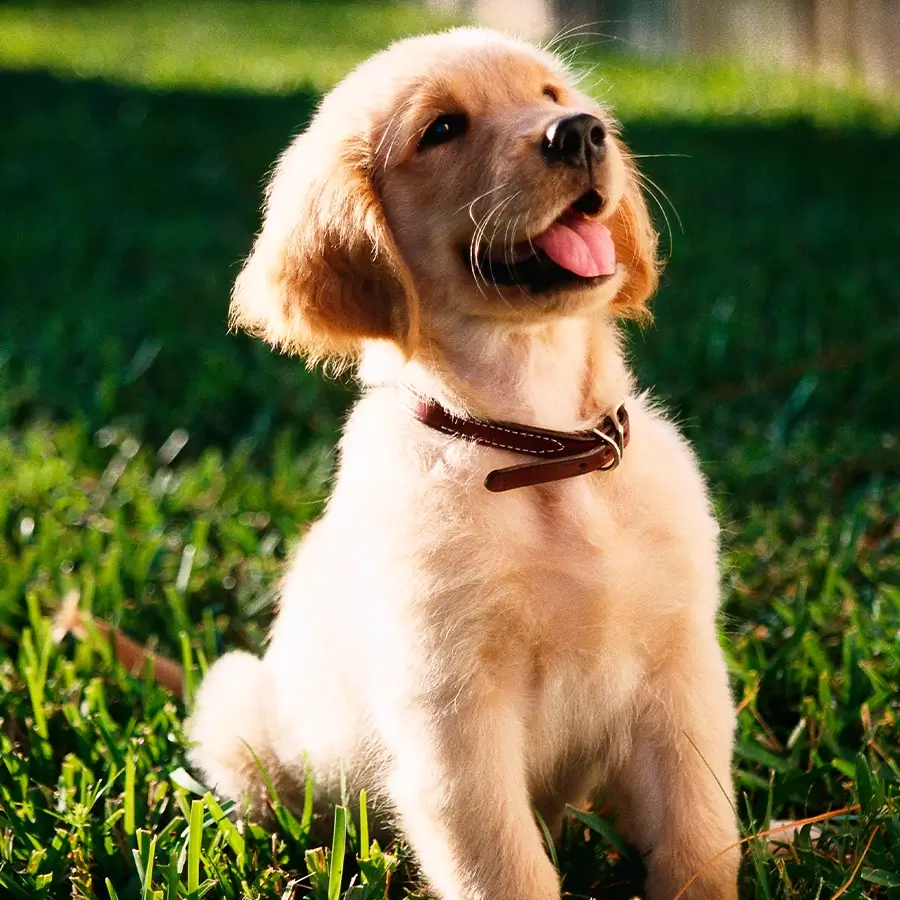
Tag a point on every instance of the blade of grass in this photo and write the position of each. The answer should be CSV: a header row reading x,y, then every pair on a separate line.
x,y
187,667
604,829
363,826
147,893
548,839
226,827
308,799
129,793
338,846
195,839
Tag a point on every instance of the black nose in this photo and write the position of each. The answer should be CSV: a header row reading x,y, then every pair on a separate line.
x,y
578,140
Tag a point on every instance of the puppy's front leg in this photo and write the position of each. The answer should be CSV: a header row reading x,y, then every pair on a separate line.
x,y
674,794
458,784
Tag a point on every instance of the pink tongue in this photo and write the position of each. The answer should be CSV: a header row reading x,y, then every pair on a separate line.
x,y
579,245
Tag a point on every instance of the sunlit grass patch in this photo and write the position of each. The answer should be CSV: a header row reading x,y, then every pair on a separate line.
x,y
275,46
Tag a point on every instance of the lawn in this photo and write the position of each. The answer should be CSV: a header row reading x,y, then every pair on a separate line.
x,y
159,469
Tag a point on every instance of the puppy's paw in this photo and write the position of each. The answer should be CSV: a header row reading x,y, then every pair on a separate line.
x,y
228,727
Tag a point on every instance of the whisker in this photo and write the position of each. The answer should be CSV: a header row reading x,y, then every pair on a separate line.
x,y
512,264
401,109
578,31
508,257
490,244
387,130
648,180
654,190
564,33
473,262
580,35
479,197
475,245
508,236
583,47
660,155
522,290
583,72
652,195
495,211
476,238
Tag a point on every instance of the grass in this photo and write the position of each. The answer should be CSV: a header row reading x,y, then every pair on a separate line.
x,y
160,469
263,46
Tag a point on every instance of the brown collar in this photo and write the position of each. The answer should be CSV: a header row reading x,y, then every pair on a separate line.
x,y
563,454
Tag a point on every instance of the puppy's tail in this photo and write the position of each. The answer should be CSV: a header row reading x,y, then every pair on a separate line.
x,y
70,619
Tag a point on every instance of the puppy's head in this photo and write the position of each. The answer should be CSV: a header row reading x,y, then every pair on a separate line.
x,y
458,174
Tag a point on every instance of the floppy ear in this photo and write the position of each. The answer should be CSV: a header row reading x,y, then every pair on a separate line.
x,y
325,273
636,246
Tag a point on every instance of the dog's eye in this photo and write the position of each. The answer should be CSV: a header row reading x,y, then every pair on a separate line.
x,y
551,94
444,129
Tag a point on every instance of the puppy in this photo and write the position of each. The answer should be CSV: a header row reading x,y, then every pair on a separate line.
x,y
466,225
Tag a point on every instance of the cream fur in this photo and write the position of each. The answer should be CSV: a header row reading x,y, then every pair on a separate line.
x,y
466,655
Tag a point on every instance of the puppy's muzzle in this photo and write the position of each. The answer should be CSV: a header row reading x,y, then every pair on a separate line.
x,y
573,251
578,141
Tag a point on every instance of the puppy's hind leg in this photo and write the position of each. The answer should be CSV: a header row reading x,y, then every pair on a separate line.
x,y
229,729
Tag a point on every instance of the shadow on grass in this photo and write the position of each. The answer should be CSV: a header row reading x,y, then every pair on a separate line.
x,y
127,215
127,212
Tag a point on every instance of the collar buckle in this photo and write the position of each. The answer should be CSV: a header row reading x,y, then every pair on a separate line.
x,y
617,442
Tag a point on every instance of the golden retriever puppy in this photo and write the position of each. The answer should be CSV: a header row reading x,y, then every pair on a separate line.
x,y
474,629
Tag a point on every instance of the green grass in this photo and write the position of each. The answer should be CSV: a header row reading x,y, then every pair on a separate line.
x,y
264,46
130,184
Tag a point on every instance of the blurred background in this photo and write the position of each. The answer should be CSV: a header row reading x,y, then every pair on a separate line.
x,y
830,38
157,469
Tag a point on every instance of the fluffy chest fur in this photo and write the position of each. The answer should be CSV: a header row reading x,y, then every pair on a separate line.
x,y
572,591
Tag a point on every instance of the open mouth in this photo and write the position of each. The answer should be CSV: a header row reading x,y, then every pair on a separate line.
x,y
575,250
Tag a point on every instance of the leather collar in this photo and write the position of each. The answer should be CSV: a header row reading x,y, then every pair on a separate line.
x,y
561,454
